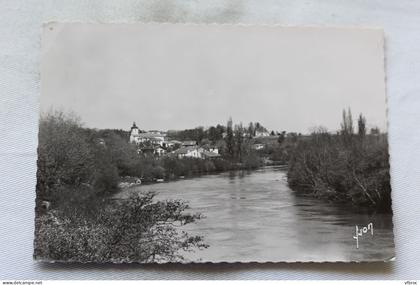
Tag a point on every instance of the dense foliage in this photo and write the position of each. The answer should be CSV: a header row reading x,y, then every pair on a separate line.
x,y
69,158
78,172
136,229
344,167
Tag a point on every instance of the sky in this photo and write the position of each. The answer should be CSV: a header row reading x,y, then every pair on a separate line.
x,y
179,76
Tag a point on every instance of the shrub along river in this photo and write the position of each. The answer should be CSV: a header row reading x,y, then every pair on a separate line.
x,y
255,216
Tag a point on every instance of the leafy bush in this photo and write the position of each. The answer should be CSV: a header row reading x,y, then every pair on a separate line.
x,y
137,229
71,157
64,153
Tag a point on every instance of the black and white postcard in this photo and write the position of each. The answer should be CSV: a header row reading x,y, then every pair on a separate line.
x,y
212,143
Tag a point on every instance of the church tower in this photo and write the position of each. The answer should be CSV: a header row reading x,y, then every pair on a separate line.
x,y
134,133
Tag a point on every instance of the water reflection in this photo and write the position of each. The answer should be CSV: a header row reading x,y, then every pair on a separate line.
x,y
254,216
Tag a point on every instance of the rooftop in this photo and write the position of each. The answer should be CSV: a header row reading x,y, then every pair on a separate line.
x,y
150,135
185,150
189,143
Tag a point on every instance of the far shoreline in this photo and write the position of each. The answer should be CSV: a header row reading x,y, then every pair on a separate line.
x,y
183,177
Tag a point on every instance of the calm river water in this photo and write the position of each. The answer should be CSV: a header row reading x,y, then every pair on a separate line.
x,y
254,216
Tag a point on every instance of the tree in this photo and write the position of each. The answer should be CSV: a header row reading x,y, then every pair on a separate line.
x,y
347,126
122,153
361,126
230,144
239,132
251,130
375,131
347,123
215,133
292,136
220,130
281,137
205,143
198,134
212,134
75,164
146,231
65,157
259,127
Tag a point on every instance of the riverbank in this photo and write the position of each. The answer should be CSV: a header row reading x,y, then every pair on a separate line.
x,y
130,182
352,170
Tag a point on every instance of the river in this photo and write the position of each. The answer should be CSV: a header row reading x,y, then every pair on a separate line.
x,y
254,216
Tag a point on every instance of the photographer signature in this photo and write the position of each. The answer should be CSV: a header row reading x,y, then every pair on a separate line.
x,y
360,232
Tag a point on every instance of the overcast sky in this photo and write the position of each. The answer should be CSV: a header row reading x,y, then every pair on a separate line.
x,y
175,76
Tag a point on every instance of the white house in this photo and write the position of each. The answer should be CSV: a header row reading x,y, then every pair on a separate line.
x,y
189,143
195,152
262,134
189,151
159,151
258,146
154,138
209,154
172,143
214,150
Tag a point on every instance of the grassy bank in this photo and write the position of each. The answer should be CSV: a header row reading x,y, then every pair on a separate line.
x,y
170,168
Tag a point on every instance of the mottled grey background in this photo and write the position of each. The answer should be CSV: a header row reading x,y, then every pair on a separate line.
x,y
20,29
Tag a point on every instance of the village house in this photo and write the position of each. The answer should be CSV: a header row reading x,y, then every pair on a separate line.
x,y
189,143
153,138
211,154
172,143
258,146
188,151
262,134
153,150
195,152
214,150
159,150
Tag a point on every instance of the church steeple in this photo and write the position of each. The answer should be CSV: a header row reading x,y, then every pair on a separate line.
x,y
134,133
